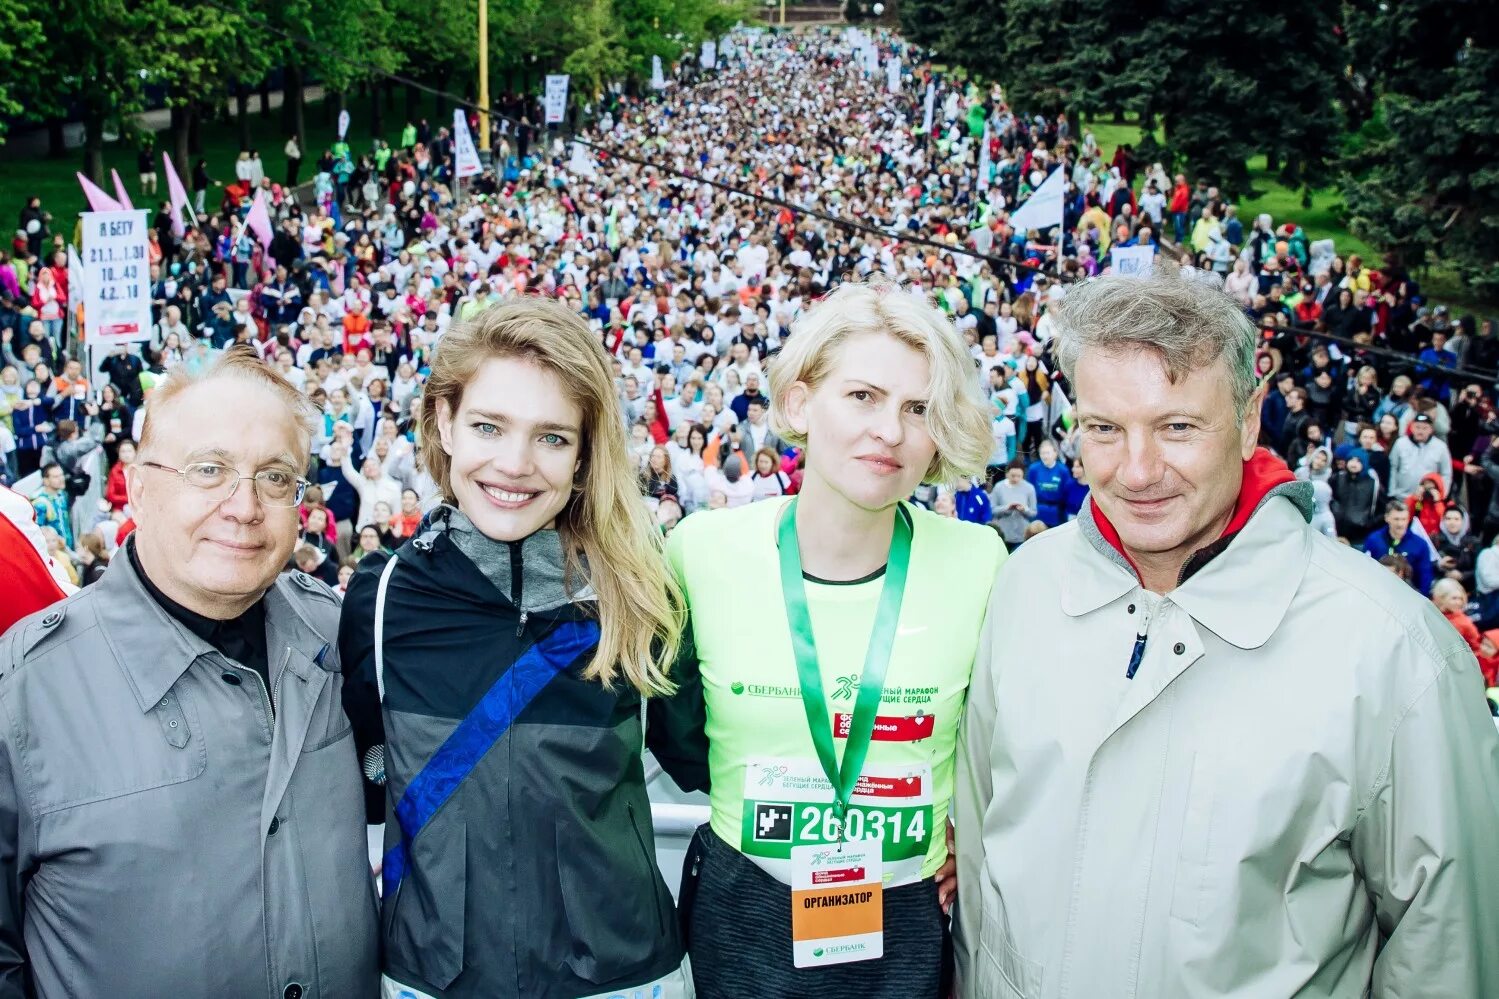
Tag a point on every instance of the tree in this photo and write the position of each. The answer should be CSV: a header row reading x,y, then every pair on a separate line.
x,y
22,52
92,59
195,53
1426,180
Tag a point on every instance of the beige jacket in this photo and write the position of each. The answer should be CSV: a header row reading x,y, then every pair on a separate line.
x,y
1296,795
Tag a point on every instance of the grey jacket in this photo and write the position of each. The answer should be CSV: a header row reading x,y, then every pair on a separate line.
x,y
161,833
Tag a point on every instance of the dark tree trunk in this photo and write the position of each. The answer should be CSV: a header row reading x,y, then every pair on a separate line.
x,y
242,112
296,114
413,103
181,154
57,146
443,76
195,128
389,87
377,108
93,144
265,96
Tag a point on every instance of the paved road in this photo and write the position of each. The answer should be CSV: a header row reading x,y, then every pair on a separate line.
x,y
34,141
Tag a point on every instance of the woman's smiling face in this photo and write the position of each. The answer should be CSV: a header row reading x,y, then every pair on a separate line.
x,y
515,444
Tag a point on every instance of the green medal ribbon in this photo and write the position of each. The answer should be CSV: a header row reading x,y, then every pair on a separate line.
x,y
876,657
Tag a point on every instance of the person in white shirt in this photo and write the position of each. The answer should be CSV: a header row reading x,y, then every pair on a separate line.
x,y
288,370
171,322
737,488
1153,203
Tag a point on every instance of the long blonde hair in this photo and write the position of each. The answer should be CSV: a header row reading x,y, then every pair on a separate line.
x,y
641,611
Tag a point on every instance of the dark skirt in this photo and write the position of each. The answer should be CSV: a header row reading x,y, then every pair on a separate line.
x,y
737,920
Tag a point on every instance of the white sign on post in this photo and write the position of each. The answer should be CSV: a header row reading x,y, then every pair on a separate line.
x,y
892,75
1133,261
658,78
709,55
556,98
343,124
117,279
465,156
929,111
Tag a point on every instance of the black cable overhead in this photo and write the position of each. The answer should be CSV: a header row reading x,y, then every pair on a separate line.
x,y
1472,374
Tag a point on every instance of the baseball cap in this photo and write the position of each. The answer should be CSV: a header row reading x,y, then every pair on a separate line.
x,y
1421,418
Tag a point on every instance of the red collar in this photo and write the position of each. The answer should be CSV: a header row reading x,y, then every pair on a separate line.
x,y
1262,473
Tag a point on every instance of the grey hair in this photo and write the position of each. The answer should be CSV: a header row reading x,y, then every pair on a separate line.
x,y
1189,324
1447,586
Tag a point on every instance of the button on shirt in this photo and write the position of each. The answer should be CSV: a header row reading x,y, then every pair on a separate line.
x,y
241,639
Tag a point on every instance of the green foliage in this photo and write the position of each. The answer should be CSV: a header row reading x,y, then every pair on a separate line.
x,y
22,53
1425,182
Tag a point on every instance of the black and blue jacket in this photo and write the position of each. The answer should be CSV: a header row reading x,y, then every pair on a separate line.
x,y
520,859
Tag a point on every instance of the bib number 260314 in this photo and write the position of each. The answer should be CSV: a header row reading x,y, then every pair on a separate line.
x,y
788,803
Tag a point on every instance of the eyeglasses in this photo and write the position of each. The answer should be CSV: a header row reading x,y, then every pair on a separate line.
x,y
273,486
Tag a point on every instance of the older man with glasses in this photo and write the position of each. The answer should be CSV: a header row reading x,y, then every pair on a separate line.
x,y
180,802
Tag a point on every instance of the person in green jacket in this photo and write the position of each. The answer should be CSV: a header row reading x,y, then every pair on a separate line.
x,y
868,665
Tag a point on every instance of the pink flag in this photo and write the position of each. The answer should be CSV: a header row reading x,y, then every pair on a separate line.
x,y
120,195
259,220
178,195
98,201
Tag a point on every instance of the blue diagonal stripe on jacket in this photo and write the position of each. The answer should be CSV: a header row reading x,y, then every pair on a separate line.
x,y
501,704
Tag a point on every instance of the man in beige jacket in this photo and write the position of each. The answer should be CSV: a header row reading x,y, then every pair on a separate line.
x,y
1207,751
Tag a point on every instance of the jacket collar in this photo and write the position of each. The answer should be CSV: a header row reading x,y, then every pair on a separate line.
x,y
154,649
1263,550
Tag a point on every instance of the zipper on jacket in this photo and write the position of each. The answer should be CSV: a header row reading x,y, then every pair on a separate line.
x,y
275,694
1138,652
650,859
516,569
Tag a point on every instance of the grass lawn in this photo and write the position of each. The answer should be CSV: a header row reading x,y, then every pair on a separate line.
x,y
22,175
1322,220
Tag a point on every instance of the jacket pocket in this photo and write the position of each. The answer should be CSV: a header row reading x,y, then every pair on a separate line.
x,y
1189,894
88,758
1001,971
608,886
424,924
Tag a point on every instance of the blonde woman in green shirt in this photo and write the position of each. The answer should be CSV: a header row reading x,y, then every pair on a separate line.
x,y
832,715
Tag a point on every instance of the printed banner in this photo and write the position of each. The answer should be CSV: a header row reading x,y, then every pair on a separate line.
x,y
1133,261
116,278
556,98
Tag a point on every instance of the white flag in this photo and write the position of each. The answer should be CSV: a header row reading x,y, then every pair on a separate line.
x,y
1043,209
343,124
581,163
556,98
984,165
892,74
709,55
871,60
658,79
931,106
465,156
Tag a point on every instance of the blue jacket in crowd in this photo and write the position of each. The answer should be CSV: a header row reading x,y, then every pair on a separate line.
x,y
973,505
1415,549
1051,491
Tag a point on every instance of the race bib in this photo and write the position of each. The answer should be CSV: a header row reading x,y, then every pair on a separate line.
x,y
837,904
788,803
